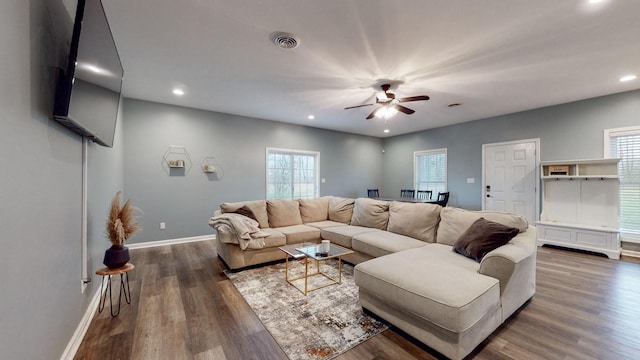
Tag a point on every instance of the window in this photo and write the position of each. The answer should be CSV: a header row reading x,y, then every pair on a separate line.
x,y
430,170
292,174
624,143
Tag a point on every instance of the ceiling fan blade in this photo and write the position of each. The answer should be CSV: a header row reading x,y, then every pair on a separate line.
x,y
373,113
403,109
357,106
414,98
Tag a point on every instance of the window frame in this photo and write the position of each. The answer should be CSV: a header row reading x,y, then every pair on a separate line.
x,y
292,152
626,236
416,156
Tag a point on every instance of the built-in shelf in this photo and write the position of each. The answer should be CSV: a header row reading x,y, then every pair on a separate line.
x,y
580,205
576,177
579,226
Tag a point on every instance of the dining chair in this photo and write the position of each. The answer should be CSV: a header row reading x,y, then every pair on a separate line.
x,y
443,198
408,193
424,194
373,193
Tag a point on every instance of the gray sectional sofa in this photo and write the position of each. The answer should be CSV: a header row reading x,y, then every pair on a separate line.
x,y
406,268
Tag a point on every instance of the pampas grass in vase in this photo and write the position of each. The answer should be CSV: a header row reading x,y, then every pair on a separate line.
x,y
121,224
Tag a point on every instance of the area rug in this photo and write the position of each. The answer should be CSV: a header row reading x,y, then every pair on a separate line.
x,y
321,325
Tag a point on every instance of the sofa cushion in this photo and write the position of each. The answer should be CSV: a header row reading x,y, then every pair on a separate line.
x,y
379,243
258,207
342,235
455,221
452,297
416,220
324,224
300,233
341,209
283,213
313,210
483,236
275,238
370,213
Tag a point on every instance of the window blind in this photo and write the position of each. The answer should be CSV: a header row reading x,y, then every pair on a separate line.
x,y
626,146
430,170
292,174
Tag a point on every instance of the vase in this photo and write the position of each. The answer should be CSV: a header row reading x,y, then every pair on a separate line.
x,y
116,256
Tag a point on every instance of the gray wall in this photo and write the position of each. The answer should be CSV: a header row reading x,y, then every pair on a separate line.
x,y
568,131
40,187
185,200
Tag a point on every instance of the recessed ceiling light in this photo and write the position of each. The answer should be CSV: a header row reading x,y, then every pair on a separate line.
x,y
178,92
595,1
628,78
386,131
311,117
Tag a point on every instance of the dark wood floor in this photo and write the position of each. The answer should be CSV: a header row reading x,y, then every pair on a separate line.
x,y
183,307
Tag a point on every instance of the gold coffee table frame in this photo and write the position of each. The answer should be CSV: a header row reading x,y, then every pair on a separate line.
x,y
312,252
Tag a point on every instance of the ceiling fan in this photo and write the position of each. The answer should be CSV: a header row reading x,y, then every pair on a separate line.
x,y
389,104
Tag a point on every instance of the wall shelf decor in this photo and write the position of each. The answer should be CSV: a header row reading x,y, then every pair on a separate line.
x,y
210,165
580,205
177,157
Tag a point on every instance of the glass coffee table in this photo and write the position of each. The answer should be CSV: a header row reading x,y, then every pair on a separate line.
x,y
312,252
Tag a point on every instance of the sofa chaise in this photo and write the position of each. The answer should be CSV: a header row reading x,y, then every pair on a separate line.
x,y
446,276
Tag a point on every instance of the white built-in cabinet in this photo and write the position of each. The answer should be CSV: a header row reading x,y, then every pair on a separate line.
x,y
580,205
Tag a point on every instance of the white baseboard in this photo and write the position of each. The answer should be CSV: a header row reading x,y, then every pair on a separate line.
x,y
631,253
170,241
74,344
75,341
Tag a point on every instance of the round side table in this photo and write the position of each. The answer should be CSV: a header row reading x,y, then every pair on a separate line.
x,y
124,289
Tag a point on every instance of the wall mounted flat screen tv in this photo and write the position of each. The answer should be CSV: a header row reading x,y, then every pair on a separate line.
x,y
88,91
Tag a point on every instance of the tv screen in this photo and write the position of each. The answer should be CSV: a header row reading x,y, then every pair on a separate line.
x,y
88,92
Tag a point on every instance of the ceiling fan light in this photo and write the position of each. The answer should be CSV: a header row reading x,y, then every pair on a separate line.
x,y
386,112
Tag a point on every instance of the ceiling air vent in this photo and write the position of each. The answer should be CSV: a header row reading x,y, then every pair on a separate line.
x,y
285,40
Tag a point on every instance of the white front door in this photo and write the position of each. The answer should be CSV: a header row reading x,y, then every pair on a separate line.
x,y
510,178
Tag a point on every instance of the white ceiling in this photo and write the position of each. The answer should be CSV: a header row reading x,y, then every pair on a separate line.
x,y
493,56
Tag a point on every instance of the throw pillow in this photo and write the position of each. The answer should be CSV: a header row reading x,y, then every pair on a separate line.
x,y
482,237
246,211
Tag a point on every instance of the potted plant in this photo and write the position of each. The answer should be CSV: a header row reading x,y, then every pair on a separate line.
x,y
121,224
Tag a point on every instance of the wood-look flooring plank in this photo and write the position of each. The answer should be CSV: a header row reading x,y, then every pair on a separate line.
x,y
184,307
211,354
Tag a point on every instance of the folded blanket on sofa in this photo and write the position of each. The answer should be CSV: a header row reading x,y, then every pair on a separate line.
x,y
243,231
